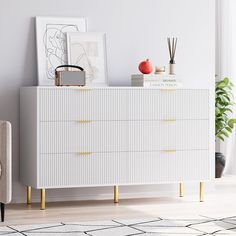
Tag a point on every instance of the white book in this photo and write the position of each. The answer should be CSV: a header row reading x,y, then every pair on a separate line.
x,y
155,77
153,80
163,85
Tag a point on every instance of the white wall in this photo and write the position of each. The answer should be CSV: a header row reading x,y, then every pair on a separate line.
x,y
136,29
226,58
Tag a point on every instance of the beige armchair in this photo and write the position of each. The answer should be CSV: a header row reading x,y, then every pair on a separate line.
x,y
5,165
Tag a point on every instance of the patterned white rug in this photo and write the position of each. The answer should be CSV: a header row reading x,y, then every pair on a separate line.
x,y
198,226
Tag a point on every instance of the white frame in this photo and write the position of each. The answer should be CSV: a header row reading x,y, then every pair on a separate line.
x,y
99,77
58,55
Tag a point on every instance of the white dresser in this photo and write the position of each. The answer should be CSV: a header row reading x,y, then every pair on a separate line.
x,y
76,137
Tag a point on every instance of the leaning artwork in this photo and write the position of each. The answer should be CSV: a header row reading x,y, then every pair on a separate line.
x,y
51,44
88,50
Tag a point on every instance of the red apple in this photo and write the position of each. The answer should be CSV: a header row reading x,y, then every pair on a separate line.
x,y
145,67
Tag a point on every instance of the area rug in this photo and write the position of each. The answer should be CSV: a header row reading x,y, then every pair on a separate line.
x,y
197,226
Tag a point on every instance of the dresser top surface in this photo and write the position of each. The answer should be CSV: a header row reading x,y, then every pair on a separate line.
x,y
105,87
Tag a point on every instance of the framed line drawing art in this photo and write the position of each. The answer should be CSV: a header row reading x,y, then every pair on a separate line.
x,y
88,50
52,46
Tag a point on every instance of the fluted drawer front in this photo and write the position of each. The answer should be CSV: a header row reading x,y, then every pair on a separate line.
x,y
122,104
164,167
66,137
115,136
74,170
71,170
72,104
145,104
165,135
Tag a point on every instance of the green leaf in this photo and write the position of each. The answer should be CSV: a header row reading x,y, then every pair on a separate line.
x,y
224,103
226,97
217,111
223,99
220,137
226,80
229,129
231,123
220,92
221,85
225,133
229,110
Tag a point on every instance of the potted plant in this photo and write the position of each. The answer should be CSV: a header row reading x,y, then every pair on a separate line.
x,y
223,123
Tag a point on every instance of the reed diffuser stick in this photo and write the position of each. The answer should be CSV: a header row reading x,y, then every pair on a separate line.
x,y
168,39
172,49
172,44
175,47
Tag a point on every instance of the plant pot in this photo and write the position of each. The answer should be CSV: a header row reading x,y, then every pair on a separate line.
x,y
219,164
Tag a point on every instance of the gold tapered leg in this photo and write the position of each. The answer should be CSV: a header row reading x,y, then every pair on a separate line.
x,y
29,194
181,189
201,191
42,205
116,194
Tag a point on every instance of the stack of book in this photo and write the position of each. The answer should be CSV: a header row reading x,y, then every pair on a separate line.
x,y
155,80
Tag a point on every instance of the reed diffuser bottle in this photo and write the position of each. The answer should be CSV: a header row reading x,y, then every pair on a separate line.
x,y
172,48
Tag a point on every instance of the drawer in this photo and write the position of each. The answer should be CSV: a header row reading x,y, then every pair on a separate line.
x,y
73,170
120,136
168,135
167,167
73,137
98,169
153,104
63,104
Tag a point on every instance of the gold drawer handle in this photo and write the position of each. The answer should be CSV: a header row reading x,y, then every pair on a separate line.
x,y
169,151
85,153
85,121
169,120
85,89
168,90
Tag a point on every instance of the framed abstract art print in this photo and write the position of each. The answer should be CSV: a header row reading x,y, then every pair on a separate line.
x,y
51,44
88,50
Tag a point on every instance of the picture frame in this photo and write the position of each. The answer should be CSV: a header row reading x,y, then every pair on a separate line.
x,y
51,44
88,50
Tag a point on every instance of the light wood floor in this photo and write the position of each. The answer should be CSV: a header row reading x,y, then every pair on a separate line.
x,y
220,202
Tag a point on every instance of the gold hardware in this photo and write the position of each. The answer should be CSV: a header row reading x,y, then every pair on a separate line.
x,y
201,191
85,89
181,189
116,194
43,194
85,121
85,153
170,120
168,90
168,150
29,193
